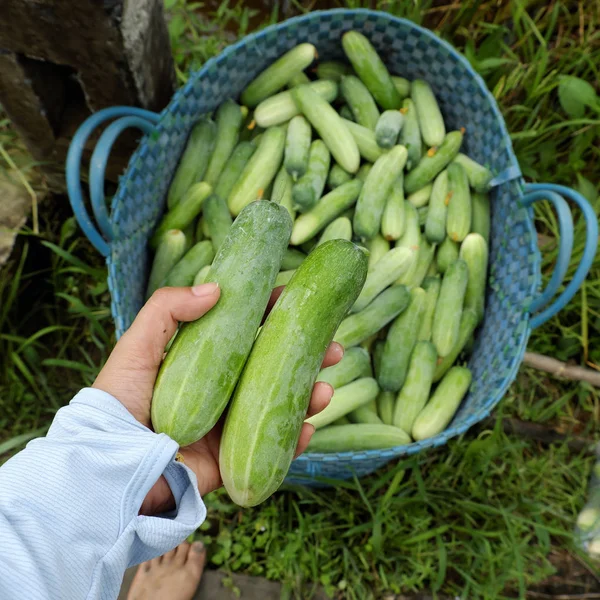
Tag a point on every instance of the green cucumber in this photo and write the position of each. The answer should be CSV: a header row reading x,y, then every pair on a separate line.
x,y
474,252
378,247
423,211
297,147
385,407
355,363
229,120
360,101
201,275
170,249
421,197
233,168
410,134
443,404
184,213
433,268
411,238
435,226
190,236
298,79
431,121
377,187
337,176
371,69
393,219
387,270
468,324
422,263
449,307
277,74
365,414
402,86
362,325
217,218
364,171
193,161
346,399
480,219
340,229
282,191
333,69
259,170
346,113
307,191
284,277
447,253
429,166
200,233
280,108
377,352
356,438
198,376
329,126
415,392
388,128
365,140
331,206
432,286
478,175
458,220
292,259
269,405
400,341
183,273
340,421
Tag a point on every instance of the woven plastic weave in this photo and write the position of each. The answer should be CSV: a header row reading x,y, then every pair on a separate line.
x,y
409,51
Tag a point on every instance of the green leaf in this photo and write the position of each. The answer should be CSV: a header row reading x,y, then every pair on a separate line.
x,y
587,189
575,94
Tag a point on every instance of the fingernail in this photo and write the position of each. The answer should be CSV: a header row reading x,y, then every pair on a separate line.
x,y
198,547
205,289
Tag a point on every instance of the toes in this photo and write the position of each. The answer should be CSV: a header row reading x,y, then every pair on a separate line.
x,y
181,553
168,557
155,562
196,559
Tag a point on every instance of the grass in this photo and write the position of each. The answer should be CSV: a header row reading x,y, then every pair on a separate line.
x,y
480,518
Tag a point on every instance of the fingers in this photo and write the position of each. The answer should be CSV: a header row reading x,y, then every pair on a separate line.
x,y
305,435
321,396
334,354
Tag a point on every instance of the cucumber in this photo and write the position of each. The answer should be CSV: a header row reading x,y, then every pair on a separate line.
x,y
474,252
447,253
435,226
356,438
431,121
449,307
193,161
233,168
273,393
340,421
362,325
468,324
400,341
387,270
346,399
292,259
329,126
421,265
280,108
388,128
377,187
307,191
282,191
197,377
458,220
297,147
364,171
393,219
170,249
402,86
415,392
371,69
385,407
443,404
284,277
229,120
346,113
378,247
333,69
298,79
429,166
337,176
277,74
183,273
340,229
365,414
478,175
480,219
365,141
376,352
421,197
200,233
355,363
201,275
259,170
331,206
190,236
217,218
422,211
183,213
360,101
433,268
411,238
432,286
410,134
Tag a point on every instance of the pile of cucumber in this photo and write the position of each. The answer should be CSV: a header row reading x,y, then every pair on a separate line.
x,y
348,152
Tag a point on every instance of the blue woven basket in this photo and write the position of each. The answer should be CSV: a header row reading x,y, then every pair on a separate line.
x,y
409,51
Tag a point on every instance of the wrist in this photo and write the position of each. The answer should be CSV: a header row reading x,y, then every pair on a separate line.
x,y
159,499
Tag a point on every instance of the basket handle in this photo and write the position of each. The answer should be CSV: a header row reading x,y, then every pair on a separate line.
x,y
555,193
134,117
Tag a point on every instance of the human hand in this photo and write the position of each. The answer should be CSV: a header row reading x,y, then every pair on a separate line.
x,y
131,369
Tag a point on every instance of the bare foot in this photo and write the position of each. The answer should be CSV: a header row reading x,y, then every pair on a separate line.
x,y
173,576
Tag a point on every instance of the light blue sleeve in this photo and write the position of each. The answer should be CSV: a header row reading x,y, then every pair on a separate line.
x,y
69,503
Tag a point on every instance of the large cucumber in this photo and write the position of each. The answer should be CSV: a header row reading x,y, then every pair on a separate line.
x,y
297,147
378,247
388,128
277,74
202,367
365,140
447,253
340,229
385,407
478,175
431,121
458,220
332,69
474,252
356,438
217,218
410,135
170,249
400,341
360,101
337,176
282,191
233,168
480,219
468,323
432,286
269,405
377,187
355,363
259,170
307,191
435,226
393,219
197,257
